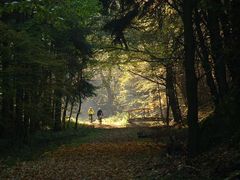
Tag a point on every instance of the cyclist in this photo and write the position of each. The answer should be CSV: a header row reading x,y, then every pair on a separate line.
x,y
100,115
90,114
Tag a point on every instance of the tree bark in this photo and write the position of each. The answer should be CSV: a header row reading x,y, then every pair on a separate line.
x,y
26,115
7,106
160,101
58,110
191,79
78,112
19,114
34,123
65,112
171,93
205,60
70,114
217,52
234,61
168,111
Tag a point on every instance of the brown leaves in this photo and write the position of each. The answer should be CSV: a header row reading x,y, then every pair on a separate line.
x,y
88,161
119,154
110,149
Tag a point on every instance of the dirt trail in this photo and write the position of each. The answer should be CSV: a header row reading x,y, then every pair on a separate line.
x,y
112,154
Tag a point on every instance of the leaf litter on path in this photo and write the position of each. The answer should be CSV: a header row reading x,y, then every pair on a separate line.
x,y
95,160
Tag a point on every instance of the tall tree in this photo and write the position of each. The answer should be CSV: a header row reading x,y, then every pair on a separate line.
x,y
171,93
191,79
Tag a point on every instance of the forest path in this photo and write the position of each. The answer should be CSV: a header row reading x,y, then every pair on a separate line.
x,y
115,153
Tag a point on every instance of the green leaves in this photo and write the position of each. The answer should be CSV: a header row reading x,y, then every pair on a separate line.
x,y
54,12
43,51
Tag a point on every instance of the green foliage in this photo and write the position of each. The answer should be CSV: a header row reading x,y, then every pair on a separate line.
x,y
43,54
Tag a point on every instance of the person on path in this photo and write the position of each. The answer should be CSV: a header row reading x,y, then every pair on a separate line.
x,y
90,114
100,115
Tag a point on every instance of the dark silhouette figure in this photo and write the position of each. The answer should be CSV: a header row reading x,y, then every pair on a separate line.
x,y
100,115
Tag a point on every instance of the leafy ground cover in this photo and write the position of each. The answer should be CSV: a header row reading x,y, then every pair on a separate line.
x,y
118,153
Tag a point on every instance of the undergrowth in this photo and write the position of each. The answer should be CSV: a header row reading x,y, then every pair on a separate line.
x,y
12,152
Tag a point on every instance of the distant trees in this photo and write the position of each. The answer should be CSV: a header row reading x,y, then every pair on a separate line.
x,y
43,57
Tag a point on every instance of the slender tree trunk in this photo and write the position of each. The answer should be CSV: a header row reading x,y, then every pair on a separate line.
x,y
160,101
26,115
234,57
65,112
58,110
110,100
168,111
19,114
171,93
7,111
34,119
229,18
217,52
205,60
7,114
53,105
191,79
58,104
70,114
78,112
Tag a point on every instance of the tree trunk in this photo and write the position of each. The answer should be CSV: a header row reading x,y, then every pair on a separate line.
x,y
191,79
64,113
7,111
160,101
19,114
26,115
70,114
168,111
58,110
171,93
78,112
217,52
34,113
205,60
58,104
234,61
